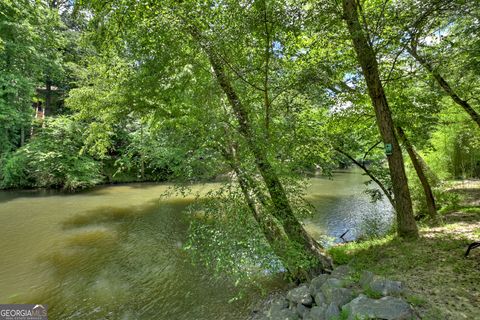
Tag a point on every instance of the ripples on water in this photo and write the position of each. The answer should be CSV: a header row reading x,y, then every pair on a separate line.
x,y
115,253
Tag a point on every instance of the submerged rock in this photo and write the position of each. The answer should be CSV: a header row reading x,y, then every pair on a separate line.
x,y
388,308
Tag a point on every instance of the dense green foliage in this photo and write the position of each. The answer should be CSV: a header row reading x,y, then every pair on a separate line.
x,y
52,159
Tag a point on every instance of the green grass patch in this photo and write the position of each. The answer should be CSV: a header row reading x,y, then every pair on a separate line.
x,y
416,300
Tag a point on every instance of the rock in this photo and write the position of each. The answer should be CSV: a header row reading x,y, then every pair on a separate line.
x,y
306,314
333,292
386,287
300,295
317,283
341,271
332,311
333,282
320,299
284,314
302,310
365,279
316,313
388,308
278,305
379,285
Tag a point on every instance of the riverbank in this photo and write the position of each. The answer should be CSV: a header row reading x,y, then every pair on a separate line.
x,y
445,284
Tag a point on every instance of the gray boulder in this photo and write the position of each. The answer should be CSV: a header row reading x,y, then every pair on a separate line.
x,y
320,299
278,305
388,308
332,312
316,313
380,285
366,278
300,295
386,287
341,271
283,314
333,292
317,283
302,310
333,282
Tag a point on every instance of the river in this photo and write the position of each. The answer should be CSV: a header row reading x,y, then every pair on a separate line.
x,y
115,252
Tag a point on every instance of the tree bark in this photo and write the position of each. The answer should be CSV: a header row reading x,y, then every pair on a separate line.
x,y
275,236
419,169
282,210
48,96
22,136
445,86
406,225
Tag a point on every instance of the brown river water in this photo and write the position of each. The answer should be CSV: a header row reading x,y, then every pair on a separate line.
x,y
115,252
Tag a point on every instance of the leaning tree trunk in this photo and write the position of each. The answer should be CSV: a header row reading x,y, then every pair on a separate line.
x,y
419,169
281,210
406,225
446,86
272,231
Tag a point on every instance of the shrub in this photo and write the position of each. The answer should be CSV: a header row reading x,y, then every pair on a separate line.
x,y
52,159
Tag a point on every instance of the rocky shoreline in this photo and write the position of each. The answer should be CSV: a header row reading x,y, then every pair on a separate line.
x,y
341,295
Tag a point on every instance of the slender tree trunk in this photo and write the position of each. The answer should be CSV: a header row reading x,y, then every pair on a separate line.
x,y
446,86
266,71
274,234
387,193
282,210
406,225
22,136
417,164
48,96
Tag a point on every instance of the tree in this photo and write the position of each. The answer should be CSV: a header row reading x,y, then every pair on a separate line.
x,y
443,24
241,89
406,225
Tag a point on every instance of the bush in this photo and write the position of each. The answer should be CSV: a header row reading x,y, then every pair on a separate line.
x,y
52,159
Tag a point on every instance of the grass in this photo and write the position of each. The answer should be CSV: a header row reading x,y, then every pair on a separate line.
x,y
442,283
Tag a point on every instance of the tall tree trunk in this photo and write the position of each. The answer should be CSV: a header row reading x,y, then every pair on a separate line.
x,y
282,210
406,225
445,86
417,164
